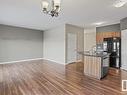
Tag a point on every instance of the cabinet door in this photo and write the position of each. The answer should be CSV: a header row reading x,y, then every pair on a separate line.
x,y
124,49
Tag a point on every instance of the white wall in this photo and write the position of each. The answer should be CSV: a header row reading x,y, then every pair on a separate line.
x,y
54,44
89,38
124,48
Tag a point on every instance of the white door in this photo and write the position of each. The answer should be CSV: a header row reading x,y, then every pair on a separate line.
x,y
124,49
71,47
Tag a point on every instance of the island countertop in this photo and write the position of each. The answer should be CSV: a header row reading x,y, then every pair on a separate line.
x,y
102,54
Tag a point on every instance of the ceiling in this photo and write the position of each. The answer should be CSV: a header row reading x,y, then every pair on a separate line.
x,y
28,13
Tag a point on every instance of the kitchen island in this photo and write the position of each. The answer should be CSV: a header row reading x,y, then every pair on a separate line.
x,y
96,64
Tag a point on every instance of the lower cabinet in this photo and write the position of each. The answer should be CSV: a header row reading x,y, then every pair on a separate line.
x,y
92,66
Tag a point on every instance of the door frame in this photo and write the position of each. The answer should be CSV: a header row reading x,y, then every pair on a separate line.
x,y
66,43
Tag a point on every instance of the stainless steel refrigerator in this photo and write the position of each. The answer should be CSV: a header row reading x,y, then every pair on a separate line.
x,y
113,45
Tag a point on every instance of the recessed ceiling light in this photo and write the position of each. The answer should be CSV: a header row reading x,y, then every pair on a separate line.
x,y
119,3
99,23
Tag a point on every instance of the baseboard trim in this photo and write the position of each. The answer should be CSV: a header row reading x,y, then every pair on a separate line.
x,y
54,61
79,61
74,62
26,60
124,68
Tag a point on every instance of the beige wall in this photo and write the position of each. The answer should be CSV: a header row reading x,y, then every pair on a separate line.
x,y
89,38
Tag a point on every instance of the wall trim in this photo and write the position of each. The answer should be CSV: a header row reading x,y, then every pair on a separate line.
x,y
74,62
11,62
124,68
27,60
54,61
79,60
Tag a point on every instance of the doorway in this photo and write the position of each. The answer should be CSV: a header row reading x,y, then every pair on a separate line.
x,y
71,47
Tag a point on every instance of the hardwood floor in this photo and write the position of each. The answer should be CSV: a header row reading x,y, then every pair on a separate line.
x,y
47,78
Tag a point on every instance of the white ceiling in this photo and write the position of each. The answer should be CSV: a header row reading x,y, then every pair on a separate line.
x,y
27,13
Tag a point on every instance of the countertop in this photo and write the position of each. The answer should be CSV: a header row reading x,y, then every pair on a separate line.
x,y
102,54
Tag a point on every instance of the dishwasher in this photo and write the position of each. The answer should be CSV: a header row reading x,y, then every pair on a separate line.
x,y
105,66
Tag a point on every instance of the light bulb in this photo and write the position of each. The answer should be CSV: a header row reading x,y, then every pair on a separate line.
x,y
57,2
120,3
45,4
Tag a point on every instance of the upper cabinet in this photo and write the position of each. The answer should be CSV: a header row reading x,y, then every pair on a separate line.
x,y
101,35
107,32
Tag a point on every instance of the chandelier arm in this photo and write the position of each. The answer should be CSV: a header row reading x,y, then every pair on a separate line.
x,y
54,10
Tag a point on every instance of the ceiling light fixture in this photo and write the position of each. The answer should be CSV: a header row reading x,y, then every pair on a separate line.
x,y
52,9
119,3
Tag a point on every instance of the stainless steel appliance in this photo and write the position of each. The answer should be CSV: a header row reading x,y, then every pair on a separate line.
x,y
113,46
105,66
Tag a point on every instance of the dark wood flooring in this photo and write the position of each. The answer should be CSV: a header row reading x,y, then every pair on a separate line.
x,y
48,78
